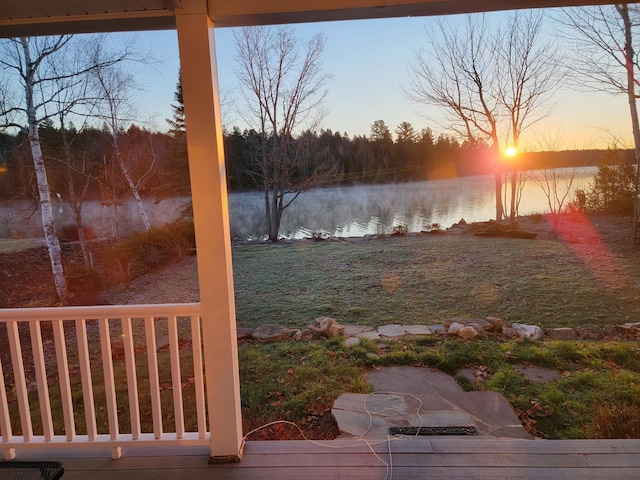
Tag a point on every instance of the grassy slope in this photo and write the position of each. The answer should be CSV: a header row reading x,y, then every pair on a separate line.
x,y
428,279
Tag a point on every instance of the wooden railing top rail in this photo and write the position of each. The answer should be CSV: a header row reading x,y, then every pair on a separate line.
x,y
98,311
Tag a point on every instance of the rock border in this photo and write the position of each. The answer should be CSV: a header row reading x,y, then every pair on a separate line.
x,y
463,328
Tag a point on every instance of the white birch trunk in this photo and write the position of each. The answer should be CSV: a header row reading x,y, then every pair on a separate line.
x,y
46,209
134,191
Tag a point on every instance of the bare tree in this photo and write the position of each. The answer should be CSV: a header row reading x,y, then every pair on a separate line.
x,y
283,92
114,89
456,72
604,59
45,68
32,60
489,81
556,184
531,75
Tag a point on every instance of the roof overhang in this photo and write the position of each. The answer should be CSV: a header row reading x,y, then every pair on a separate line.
x,y
49,17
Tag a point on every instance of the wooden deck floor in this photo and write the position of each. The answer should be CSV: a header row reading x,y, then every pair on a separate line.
x,y
435,458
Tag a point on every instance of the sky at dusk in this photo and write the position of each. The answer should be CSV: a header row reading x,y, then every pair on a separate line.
x,y
369,62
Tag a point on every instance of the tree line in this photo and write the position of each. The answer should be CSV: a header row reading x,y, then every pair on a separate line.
x,y
82,164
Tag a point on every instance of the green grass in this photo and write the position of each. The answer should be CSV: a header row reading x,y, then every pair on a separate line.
x,y
8,245
598,395
428,279
294,380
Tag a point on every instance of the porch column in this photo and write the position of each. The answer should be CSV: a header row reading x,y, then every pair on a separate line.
x,y
211,217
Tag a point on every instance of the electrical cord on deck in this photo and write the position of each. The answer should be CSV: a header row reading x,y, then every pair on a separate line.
x,y
370,444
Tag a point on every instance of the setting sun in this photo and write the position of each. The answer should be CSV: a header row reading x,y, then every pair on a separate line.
x,y
510,152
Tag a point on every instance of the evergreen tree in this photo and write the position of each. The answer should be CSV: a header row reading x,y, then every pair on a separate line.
x,y
179,182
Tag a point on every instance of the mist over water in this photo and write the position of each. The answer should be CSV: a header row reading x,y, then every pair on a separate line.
x,y
22,219
337,211
376,209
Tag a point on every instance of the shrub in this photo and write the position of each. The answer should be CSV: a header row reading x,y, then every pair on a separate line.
x,y
145,251
69,233
613,188
84,283
400,230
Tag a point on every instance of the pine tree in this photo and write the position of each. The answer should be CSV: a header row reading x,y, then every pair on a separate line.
x,y
180,165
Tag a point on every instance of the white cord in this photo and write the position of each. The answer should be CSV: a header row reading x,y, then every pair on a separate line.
x,y
370,444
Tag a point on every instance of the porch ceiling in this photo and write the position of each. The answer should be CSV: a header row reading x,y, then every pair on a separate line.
x,y
47,17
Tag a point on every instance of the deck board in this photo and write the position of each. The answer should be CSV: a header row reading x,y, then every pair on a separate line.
x,y
415,458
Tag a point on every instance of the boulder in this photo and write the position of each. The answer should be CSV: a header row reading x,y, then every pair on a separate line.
x,y
244,333
272,333
438,329
589,332
610,331
509,332
454,328
307,334
496,323
625,331
467,333
480,329
485,324
564,333
327,326
352,342
531,332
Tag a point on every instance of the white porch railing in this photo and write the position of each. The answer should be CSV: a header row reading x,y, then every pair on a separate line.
x,y
101,376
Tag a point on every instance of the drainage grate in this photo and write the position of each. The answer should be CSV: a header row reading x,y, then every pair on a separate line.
x,y
433,431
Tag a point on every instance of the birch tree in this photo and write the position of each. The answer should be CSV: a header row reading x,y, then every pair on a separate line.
x,y
113,89
32,61
46,67
283,90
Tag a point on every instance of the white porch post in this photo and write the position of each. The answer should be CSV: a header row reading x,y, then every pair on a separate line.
x,y
211,216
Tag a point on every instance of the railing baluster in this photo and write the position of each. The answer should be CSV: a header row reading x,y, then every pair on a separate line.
x,y
64,379
154,380
85,376
41,379
196,348
176,380
5,418
132,378
20,380
109,382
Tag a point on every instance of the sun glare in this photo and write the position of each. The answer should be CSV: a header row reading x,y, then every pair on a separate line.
x,y
510,152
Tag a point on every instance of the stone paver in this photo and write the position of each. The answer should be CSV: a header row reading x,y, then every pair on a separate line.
x,y
353,330
391,331
419,396
369,335
417,330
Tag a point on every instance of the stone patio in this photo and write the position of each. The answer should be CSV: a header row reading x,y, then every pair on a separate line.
x,y
422,397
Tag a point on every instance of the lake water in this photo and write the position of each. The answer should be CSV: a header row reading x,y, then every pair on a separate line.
x,y
337,211
375,209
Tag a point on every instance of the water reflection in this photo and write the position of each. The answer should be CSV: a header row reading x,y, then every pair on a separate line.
x,y
338,211
377,209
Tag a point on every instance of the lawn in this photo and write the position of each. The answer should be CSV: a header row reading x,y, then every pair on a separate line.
x,y
430,278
